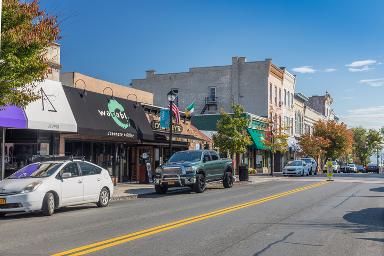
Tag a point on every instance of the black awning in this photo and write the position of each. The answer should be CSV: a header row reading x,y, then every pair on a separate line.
x,y
100,115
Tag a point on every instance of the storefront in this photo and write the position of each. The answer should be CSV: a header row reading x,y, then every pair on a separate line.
x,y
34,131
110,132
258,153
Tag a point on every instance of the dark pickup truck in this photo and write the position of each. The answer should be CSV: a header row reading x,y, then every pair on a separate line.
x,y
193,168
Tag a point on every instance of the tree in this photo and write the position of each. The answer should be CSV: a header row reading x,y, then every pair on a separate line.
x,y
26,32
277,142
340,138
366,143
232,135
313,146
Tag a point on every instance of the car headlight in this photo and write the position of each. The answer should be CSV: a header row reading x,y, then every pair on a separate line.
x,y
31,187
189,170
158,170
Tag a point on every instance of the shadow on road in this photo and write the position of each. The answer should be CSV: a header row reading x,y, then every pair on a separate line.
x,y
379,189
272,244
23,215
366,220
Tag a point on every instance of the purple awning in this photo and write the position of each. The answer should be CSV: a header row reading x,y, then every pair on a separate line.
x,y
12,117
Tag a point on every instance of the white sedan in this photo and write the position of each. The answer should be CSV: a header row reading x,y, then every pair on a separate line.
x,y
296,167
46,186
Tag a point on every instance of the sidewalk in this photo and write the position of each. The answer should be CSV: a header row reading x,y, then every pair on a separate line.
x,y
126,191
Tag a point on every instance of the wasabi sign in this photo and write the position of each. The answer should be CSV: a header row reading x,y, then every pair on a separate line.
x,y
117,112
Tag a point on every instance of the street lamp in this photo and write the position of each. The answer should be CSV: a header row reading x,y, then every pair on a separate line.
x,y
171,96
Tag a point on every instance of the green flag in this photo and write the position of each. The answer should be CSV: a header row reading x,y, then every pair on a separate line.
x,y
190,109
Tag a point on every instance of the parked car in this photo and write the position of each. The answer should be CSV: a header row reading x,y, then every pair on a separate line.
x,y
372,167
46,186
312,165
296,167
336,168
349,168
360,168
193,168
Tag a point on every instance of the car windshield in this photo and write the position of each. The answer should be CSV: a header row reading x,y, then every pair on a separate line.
x,y
36,170
307,160
295,163
185,156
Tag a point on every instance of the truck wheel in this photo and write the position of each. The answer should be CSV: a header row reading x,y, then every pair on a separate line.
x,y
48,204
228,180
161,189
200,184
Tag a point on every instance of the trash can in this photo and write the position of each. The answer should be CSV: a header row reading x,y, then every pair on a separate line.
x,y
243,173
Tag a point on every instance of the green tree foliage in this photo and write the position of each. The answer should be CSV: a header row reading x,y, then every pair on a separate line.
x,y
361,149
232,135
26,32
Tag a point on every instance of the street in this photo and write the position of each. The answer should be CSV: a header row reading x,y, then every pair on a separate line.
x,y
283,216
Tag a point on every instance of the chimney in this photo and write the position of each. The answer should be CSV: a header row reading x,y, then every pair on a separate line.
x,y
241,60
235,60
150,73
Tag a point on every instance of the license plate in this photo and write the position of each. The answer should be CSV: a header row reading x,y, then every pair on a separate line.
x,y
171,182
3,201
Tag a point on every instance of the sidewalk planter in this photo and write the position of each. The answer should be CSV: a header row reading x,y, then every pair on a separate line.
x,y
243,173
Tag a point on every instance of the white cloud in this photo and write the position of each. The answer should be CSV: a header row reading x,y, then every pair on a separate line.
x,y
373,82
361,65
304,70
330,70
365,68
370,117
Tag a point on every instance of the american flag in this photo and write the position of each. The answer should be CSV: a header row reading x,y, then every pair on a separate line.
x,y
176,112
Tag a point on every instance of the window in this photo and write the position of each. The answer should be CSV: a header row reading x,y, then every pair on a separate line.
x,y
285,97
291,100
212,93
71,168
206,157
279,96
270,93
214,155
275,95
89,169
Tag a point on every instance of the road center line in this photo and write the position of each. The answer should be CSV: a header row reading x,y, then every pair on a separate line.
x,y
82,250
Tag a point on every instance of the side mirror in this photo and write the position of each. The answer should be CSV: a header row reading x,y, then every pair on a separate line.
x,y
66,175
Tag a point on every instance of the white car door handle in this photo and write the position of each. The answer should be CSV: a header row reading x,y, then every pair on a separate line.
x,y
80,181
98,179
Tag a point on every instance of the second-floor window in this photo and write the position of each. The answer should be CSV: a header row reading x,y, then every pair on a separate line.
x,y
270,93
276,95
285,97
279,96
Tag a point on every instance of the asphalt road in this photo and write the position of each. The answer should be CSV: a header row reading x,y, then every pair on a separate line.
x,y
344,217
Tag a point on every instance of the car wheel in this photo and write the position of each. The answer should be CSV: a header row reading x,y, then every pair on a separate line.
x,y
311,172
2,214
200,184
228,180
103,198
302,173
161,189
48,204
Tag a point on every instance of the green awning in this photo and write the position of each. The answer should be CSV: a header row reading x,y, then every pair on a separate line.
x,y
258,137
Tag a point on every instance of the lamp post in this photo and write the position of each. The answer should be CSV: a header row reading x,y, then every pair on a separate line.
x,y
171,96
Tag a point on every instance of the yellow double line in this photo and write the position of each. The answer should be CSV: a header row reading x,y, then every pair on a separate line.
x,y
176,224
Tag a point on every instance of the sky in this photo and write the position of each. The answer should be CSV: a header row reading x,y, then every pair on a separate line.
x,y
331,45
